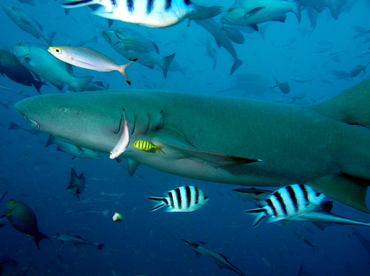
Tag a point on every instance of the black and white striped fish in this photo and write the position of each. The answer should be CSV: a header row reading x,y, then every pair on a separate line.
x,y
151,13
287,202
181,199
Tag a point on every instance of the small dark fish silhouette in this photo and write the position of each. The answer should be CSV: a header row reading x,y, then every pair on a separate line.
x,y
76,184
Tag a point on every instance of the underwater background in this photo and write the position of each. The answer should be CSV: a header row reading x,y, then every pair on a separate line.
x,y
147,243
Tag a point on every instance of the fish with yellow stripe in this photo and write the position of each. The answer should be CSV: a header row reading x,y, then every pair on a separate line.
x,y
147,146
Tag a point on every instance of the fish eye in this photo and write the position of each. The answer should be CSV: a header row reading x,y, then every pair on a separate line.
x,y
20,44
63,109
58,50
230,10
318,194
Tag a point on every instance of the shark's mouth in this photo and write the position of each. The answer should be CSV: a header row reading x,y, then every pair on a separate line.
x,y
34,124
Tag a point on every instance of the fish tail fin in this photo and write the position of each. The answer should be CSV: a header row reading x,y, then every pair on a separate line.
x,y
37,84
105,213
162,203
235,66
13,126
158,148
51,140
80,83
261,214
38,237
166,64
297,10
100,245
336,7
122,70
49,38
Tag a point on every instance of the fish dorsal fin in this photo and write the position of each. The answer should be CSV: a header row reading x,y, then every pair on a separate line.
x,y
156,48
174,140
252,12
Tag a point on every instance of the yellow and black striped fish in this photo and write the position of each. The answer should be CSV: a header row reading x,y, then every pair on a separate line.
x,y
146,145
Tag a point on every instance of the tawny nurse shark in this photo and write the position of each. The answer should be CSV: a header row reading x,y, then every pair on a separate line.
x,y
223,139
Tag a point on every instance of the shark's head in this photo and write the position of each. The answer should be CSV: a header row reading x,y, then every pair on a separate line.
x,y
71,120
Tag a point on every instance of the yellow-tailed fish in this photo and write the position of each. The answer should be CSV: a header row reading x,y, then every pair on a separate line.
x,y
146,145
123,141
22,218
88,59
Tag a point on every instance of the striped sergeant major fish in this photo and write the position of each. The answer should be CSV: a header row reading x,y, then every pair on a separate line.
x,y
151,13
287,202
181,199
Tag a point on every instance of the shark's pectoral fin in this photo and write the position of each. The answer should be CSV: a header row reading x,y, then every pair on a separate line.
x,y
175,141
344,188
217,159
132,166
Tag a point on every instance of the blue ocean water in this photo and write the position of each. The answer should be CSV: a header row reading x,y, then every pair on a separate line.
x,y
146,243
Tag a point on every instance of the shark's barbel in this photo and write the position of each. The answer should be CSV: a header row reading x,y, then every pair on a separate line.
x,y
224,139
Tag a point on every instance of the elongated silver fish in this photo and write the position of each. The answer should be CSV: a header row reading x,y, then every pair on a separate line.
x,y
151,13
88,59
287,202
220,259
76,240
181,199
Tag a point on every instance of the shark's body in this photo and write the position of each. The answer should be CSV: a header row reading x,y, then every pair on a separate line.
x,y
220,139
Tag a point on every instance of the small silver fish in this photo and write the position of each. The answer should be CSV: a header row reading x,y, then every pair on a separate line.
x,y
76,240
88,59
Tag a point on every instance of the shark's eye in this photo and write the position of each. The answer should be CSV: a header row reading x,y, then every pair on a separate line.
x,y
63,109
230,10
